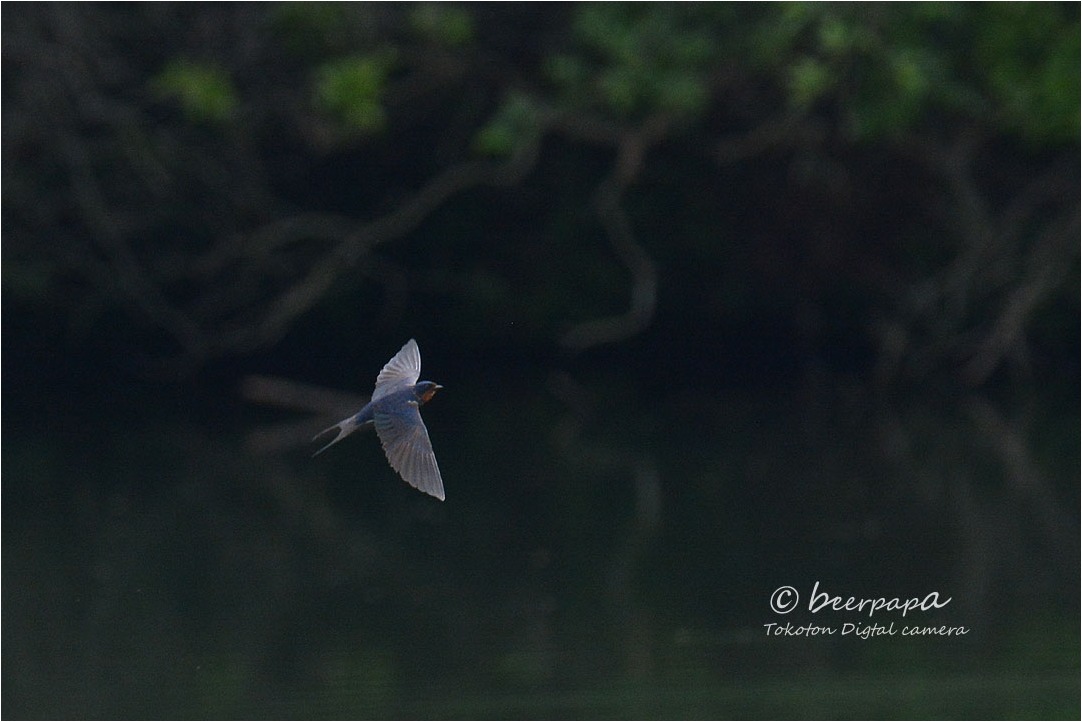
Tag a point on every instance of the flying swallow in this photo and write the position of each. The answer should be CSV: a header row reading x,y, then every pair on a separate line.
x,y
395,412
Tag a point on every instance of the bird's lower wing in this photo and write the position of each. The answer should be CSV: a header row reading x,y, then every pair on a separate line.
x,y
409,450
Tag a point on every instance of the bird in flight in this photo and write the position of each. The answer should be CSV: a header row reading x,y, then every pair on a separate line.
x,y
395,412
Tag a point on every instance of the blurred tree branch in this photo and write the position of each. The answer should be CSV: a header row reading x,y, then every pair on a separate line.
x,y
631,148
976,308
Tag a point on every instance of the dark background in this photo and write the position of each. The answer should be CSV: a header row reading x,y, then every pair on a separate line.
x,y
724,297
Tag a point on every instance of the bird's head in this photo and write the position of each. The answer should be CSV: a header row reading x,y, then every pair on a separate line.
x,y
425,390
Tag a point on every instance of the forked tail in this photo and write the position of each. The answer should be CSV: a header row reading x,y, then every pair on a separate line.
x,y
345,428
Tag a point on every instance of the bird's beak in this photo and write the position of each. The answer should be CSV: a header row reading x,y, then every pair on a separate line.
x,y
437,387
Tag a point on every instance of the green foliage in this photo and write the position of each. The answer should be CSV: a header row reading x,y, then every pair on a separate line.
x,y
1028,57
809,80
891,69
350,90
634,60
309,29
517,121
887,69
442,23
204,92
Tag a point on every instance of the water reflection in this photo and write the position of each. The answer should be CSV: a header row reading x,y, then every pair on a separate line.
x,y
598,556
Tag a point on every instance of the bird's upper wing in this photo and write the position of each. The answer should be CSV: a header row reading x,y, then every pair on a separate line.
x,y
402,370
406,444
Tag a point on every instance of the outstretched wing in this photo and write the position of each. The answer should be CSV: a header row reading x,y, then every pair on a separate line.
x,y
406,444
402,370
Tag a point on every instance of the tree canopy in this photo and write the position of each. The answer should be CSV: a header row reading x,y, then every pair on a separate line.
x,y
900,176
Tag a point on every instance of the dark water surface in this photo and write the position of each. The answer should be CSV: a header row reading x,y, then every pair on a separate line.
x,y
605,551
